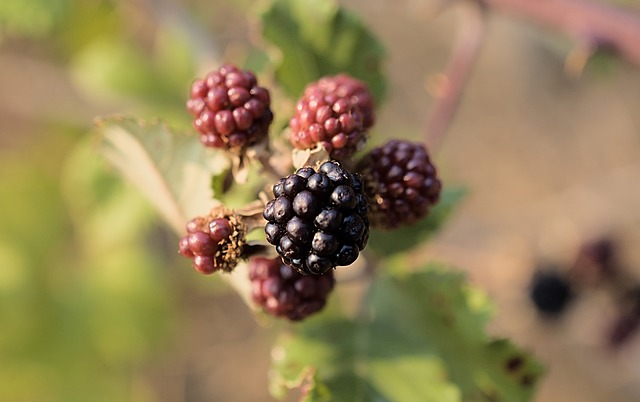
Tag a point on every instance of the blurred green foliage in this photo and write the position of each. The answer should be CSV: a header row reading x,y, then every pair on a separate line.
x,y
36,18
82,300
419,336
318,38
85,302
155,82
387,243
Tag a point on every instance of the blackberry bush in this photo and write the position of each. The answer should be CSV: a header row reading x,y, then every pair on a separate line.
x,y
334,112
401,183
214,242
318,218
283,292
231,110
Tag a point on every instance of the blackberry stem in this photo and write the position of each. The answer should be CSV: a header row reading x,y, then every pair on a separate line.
x,y
602,25
605,24
263,159
258,250
252,215
451,84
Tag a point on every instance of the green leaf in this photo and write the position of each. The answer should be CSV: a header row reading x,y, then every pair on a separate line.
x,y
154,82
386,243
220,183
317,38
80,335
34,18
603,62
172,170
113,69
420,338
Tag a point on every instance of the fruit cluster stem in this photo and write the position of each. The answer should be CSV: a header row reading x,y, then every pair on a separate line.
x,y
616,27
267,166
452,82
592,24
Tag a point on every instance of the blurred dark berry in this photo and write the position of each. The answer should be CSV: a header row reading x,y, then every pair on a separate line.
x,y
550,292
283,292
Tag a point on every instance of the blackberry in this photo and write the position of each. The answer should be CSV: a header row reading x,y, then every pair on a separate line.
x,y
318,218
214,242
283,292
550,292
345,86
231,111
335,112
401,183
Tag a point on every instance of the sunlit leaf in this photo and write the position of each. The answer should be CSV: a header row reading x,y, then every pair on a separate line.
x,y
34,18
173,170
390,242
420,337
317,38
76,315
155,82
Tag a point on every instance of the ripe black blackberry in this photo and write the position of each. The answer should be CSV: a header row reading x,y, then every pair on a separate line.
x,y
214,242
283,292
401,183
335,112
550,292
231,111
318,218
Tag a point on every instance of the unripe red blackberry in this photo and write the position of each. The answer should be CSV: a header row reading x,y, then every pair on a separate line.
x,y
401,183
334,112
214,242
231,111
283,292
345,86
318,218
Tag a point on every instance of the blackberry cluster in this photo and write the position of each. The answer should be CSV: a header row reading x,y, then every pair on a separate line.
x,y
318,218
334,112
283,292
215,242
401,182
231,111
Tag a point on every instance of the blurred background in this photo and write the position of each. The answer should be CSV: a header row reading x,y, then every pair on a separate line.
x,y
95,303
